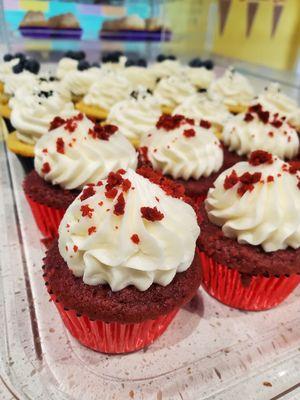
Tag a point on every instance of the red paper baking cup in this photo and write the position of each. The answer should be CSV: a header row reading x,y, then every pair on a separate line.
x,y
113,337
254,294
46,218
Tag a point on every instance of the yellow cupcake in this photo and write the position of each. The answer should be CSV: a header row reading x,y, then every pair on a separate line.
x,y
238,108
167,110
91,111
18,147
5,111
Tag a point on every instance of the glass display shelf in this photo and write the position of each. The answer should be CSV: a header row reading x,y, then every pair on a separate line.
x,y
210,351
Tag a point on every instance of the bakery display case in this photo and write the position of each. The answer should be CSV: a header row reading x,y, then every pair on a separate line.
x,y
225,65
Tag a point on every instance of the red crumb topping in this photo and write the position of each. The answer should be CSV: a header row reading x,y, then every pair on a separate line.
x,y
270,178
75,248
126,185
111,193
71,125
45,151
100,183
248,178
262,115
102,132
189,133
87,192
271,134
135,238
143,156
259,157
121,171
231,180
113,179
248,117
92,229
119,207
46,168
276,123
100,203
294,167
170,122
60,145
151,214
56,123
205,124
86,211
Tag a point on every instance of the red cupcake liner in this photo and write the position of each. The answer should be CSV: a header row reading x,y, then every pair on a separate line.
x,y
46,218
113,337
254,294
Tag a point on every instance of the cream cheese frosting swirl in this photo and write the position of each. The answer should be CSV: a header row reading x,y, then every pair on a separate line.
x,y
139,76
253,130
165,68
136,115
32,111
232,88
173,90
199,106
13,82
140,237
64,66
185,151
199,77
6,68
78,152
264,212
274,100
78,83
108,91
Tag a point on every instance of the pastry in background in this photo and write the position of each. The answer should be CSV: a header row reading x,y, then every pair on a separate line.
x,y
34,19
64,21
130,22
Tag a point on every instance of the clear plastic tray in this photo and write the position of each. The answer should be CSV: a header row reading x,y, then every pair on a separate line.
x,y
209,352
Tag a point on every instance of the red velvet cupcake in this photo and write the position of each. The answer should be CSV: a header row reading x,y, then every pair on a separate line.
x,y
124,262
186,151
250,233
259,129
75,152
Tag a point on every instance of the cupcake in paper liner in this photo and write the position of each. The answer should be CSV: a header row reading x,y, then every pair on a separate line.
x,y
184,150
124,263
250,233
104,94
233,89
199,106
136,115
75,152
172,91
259,129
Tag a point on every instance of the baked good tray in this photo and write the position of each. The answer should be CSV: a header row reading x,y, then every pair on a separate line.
x,y
210,351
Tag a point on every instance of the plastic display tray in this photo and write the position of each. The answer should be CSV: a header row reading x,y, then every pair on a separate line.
x,y
210,351
46,33
133,35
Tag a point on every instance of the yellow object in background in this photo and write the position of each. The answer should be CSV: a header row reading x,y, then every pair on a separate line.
x,y
34,5
264,32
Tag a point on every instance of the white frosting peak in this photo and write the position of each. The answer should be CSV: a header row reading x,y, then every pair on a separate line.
x,y
173,90
105,243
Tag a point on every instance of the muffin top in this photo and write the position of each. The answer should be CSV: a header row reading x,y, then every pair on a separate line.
x,y
135,115
33,110
173,90
261,129
76,152
182,148
232,88
128,231
258,202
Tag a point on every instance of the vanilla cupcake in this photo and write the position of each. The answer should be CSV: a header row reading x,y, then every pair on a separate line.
x,y
172,91
200,77
259,129
186,151
233,89
65,66
274,100
32,112
135,115
199,106
103,94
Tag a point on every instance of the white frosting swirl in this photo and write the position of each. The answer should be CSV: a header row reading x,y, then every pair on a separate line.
x,y
232,88
85,159
200,77
109,255
13,82
184,157
274,100
269,215
108,91
65,66
114,66
79,82
243,137
140,76
173,90
165,68
6,68
31,113
135,116
199,106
